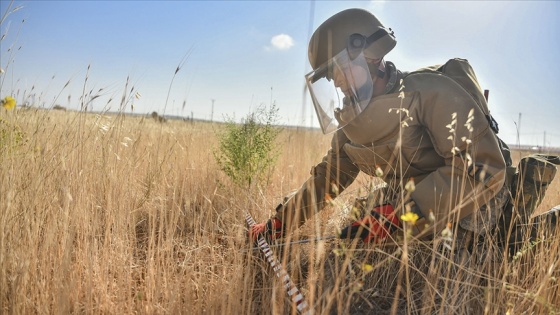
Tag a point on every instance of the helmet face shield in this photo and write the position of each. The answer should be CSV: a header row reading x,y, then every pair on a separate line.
x,y
340,89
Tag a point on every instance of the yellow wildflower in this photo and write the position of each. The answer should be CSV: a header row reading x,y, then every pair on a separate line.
x,y
338,251
409,217
8,102
367,267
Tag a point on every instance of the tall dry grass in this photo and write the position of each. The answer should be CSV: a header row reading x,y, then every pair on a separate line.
x,y
115,214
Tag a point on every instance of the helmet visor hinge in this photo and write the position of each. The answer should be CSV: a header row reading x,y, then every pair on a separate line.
x,y
358,42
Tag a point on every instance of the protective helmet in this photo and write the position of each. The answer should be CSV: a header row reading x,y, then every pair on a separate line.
x,y
341,52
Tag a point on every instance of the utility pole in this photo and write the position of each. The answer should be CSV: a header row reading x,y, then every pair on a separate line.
x,y
544,140
518,130
212,113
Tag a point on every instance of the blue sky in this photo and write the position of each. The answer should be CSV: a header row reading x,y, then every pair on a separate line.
x,y
240,54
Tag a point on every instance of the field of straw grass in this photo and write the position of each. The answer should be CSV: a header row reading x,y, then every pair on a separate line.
x,y
113,214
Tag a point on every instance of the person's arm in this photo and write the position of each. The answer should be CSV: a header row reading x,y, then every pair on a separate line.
x,y
331,176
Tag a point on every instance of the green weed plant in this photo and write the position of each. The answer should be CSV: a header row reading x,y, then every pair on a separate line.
x,y
11,136
248,151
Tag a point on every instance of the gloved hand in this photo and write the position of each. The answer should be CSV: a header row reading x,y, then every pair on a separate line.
x,y
271,230
376,226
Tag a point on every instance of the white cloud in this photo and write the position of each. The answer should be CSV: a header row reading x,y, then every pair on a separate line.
x,y
282,42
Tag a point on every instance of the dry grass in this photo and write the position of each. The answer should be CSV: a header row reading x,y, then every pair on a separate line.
x,y
113,214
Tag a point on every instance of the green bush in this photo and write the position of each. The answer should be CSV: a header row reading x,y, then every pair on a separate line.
x,y
248,151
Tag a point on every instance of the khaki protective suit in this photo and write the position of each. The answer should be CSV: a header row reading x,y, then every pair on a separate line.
x,y
427,127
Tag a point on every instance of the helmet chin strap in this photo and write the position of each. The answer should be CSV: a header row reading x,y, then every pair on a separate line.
x,y
378,73
384,68
381,70
394,76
